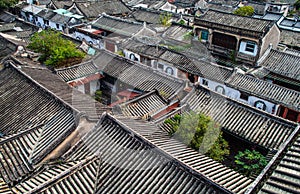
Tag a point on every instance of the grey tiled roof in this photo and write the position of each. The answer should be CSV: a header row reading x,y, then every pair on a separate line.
x,y
60,19
182,61
272,17
137,75
211,170
265,90
71,176
220,7
290,24
117,25
77,71
7,27
33,122
14,157
4,188
94,9
292,52
284,64
6,47
242,120
177,32
225,2
290,38
7,17
27,106
259,8
46,14
151,17
285,178
129,162
62,4
144,106
76,99
27,30
236,23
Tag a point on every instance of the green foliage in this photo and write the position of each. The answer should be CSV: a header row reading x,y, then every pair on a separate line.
x,y
182,22
201,133
297,5
163,94
244,11
179,48
165,19
232,57
56,51
188,35
120,53
174,123
98,95
4,4
250,162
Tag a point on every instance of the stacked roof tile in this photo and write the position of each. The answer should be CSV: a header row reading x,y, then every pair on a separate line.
x,y
6,47
34,122
64,177
73,97
282,63
77,71
117,25
265,90
242,120
131,163
285,178
137,75
211,170
234,23
198,67
146,105
24,104
111,7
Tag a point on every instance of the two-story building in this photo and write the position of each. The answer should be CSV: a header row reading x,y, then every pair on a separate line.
x,y
59,19
91,9
243,39
264,95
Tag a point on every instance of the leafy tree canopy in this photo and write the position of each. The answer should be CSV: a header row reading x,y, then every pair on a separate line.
x,y
250,162
201,133
4,4
56,51
165,18
297,5
244,11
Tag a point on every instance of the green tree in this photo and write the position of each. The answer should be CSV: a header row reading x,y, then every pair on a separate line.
x,y
4,4
181,22
244,11
165,18
297,5
201,133
98,95
56,51
250,162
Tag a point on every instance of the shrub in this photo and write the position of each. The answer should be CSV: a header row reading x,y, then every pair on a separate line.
x,y
98,95
4,4
56,51
181,22
244,11
201,133
250,162
165,18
